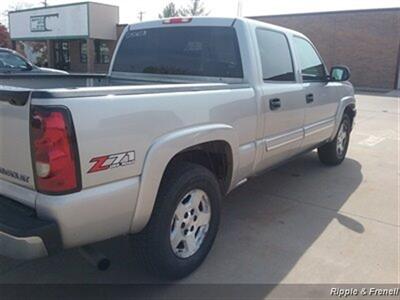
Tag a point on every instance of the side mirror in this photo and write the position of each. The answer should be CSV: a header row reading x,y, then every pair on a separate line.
x,y
339,73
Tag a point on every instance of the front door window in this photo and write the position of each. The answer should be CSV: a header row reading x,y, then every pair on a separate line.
x,y
311,65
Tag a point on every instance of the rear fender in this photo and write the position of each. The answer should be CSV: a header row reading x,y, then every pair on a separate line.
x,y
161,153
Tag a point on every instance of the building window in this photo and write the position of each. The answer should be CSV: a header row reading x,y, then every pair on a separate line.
x,y
62,58
102,52
83,52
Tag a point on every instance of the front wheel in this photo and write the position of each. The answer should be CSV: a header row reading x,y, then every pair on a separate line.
x,y
184,223
334,152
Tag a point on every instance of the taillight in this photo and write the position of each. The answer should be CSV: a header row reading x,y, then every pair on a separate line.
x,y
54,151
177,20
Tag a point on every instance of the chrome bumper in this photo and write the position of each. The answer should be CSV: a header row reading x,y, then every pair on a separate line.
x,y
22,248
23,235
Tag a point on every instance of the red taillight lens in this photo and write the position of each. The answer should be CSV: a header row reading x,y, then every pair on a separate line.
x,y
54,151
177,20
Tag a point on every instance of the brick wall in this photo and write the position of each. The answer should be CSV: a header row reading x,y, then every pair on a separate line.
x,y
78,67
75,56
367,41
103,68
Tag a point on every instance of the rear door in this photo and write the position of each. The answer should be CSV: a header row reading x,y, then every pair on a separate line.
x,y
15,155
319,95
281,97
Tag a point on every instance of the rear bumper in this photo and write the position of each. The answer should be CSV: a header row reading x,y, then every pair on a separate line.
x,y
93,214
23,235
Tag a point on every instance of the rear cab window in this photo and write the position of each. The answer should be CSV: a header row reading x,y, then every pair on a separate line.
x,y
187,50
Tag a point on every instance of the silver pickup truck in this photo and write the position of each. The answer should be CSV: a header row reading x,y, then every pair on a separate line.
x,y
190,109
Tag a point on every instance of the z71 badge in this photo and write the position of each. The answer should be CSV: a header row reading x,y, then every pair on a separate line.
x,y
112,161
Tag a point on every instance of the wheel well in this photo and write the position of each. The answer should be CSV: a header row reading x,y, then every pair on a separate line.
x,y
216,156
350,111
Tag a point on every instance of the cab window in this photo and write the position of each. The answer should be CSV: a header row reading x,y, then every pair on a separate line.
x,y
276,59
312,67
191,51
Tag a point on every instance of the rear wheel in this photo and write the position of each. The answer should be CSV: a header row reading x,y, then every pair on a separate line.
x,y
334,152
184,223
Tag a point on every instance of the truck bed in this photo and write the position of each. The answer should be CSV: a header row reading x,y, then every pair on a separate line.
x,y
45,81
116,103
19,95
55,81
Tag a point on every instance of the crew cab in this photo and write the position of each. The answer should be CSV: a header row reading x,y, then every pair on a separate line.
x,y
190,109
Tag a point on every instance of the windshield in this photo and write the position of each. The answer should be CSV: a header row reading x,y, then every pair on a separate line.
x,y
197,51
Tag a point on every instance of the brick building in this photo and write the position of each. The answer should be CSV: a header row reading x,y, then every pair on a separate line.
x,y
368,41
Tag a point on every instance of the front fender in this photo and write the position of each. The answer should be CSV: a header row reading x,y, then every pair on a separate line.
x,y
344,102
160,154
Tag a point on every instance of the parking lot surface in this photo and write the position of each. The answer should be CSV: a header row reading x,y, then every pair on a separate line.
x,y
301,223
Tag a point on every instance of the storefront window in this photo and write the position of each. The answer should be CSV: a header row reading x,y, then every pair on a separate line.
x,y
62,58
102,52
83,52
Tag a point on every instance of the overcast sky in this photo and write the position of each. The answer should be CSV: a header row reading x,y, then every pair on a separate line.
x,y
129,9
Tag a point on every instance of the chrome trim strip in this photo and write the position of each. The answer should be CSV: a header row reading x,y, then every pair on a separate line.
x,y
283,143
284,139
319,126
134,90
319,130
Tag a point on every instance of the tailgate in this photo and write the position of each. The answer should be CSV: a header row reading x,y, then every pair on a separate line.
x,y
15,153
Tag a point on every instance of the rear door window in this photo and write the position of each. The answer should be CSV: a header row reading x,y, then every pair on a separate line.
x,y
276,59
197,51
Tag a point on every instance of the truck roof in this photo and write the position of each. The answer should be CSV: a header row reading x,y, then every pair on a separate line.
x,y
209,21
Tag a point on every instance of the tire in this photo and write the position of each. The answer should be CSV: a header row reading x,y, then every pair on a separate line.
x,y
184,186
332,154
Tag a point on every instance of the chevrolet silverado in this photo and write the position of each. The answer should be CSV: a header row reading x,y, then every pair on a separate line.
x,y
189,110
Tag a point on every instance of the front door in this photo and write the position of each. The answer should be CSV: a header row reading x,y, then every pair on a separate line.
x,y
283,110
62,58
319,95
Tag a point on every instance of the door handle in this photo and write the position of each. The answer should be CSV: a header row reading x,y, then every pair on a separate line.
x,y
274,103
309,98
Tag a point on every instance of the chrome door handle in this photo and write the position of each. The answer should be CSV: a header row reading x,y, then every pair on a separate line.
x,y
309,98
274,103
